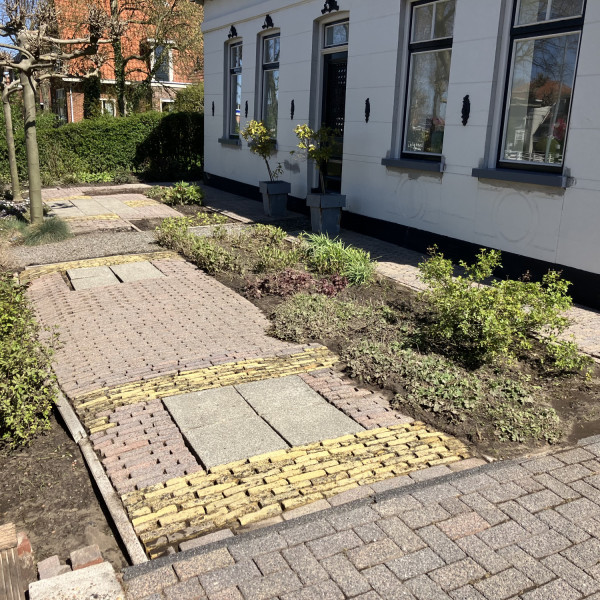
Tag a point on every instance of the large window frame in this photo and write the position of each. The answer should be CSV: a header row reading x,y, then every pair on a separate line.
x,y
269,78
546,29
164,73
418,48
233,106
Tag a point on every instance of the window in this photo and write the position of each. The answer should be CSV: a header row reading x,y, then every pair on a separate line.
x,y
166,106
108,107
234,104
61,105
430,51
161,63
337,34
270,83
544,48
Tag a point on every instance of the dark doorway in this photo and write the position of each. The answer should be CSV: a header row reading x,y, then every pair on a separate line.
x,y
334,112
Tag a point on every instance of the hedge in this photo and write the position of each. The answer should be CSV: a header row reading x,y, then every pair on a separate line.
x,y
152,145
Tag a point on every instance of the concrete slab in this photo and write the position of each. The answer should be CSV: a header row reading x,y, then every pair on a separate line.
x,y
118,207
206,408
136,271
313,423
233,439
91,277
284,394
89,206
98,582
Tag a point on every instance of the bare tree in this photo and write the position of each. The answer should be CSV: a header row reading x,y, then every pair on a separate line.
x,y
7,88
36,53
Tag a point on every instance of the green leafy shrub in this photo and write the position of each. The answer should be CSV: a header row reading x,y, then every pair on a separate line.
x,y
190,99
487,323
47,232
205,253
27,385
183,193
331,256
156,192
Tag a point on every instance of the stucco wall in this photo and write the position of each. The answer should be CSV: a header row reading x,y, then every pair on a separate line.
x,y
554,225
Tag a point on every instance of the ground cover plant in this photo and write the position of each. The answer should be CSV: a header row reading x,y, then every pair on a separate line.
x,y
27,385
182,193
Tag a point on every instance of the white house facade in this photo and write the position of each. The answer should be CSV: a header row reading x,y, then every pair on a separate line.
x,y
469,121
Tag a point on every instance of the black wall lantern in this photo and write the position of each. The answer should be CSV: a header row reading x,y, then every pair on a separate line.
x,y
268,22
330,5
232,32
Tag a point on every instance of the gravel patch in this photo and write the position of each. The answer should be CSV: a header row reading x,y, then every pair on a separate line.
x,y
93,245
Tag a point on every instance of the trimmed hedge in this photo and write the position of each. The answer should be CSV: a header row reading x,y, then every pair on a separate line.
x,y
153,145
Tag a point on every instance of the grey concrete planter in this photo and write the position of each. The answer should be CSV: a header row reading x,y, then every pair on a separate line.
x,y
275,196
326,212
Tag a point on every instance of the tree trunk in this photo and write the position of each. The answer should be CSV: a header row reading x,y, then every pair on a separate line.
x,y
10,146
119,63
31,145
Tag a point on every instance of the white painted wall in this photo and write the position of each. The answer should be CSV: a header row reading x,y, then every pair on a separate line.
x,y
559,226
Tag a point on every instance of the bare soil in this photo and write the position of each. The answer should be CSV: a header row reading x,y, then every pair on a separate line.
x,y
46,490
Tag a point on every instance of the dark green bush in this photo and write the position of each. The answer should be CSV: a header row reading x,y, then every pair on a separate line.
x,y
153,145
27,385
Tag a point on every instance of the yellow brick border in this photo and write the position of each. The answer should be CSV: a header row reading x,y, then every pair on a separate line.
x,y
247,491
32,273
106,217
67,199
140,203
89,404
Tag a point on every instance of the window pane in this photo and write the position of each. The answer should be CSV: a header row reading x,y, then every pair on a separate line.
x,y
337,35
422,20
540,99
161,64
236,57
271,50
536,11
236,103
428,98
271,100
444,19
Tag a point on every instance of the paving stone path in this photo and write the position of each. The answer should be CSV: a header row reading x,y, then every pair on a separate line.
x,y
527,529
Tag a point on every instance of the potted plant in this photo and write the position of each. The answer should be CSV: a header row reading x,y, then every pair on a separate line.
x,y
274,192
325,208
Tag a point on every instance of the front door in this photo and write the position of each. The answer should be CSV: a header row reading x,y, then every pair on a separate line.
x,y
334,112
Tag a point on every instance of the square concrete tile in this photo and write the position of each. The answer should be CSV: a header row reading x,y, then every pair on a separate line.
x,y
91,277
89,207
206,408
136,271
233,439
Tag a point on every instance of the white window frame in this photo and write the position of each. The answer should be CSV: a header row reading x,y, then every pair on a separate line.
x,y
230,71
104,102
264,67
164,101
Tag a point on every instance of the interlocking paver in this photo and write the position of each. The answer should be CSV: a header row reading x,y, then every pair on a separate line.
x,y
586,554
457,574
441,544
415,564
332,544
304,564
503,585
572,574
545,544
345,574
385,584
555,589
528,565
424,588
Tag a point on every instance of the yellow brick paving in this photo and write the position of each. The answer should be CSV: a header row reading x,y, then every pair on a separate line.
x,y
264,486
140,203
88,405
32,273
66,199
106,217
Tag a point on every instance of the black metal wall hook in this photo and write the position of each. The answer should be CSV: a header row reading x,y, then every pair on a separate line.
x,y
330,5
466,110
292,110
246,110
213,108
367,110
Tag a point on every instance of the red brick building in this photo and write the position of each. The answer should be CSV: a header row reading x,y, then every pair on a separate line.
x,y
173,72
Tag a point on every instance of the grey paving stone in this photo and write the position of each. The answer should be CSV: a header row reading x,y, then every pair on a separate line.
x,y
455,506
523,517
369,532
502,493
391,484
347,519
431,473
385,584
503,535
441,544
203,563
480,552
557,522
579,510
464,524
433,494
540,501
233,440
209,538
326,590
208,407
424,589
542,464
307,509
363,491
466,593
227,577
91,277
559,488
485,508
585,489
458,574
305,565
136,271
374,553
571,473
391,506
545,544
273,585
373,596
585,554
414,564
474,483
556,589
503,585
576,455
509,472
401,534
572,574
271,563
345,574
432,513
332,544
185,590
528,565
255,546
307,532
152,581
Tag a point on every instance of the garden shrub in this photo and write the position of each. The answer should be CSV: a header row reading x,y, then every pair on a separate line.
x,y
486,322
27,385
183,193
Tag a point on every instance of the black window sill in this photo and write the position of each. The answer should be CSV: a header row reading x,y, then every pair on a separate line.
x,y
230,141
555,180
414,164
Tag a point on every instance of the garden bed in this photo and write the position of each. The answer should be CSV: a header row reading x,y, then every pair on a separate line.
x,y
380,329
